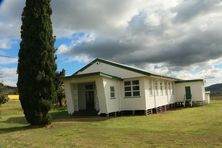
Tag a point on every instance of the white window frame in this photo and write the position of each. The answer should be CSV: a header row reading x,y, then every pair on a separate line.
x,y
166,88
156,87
161,87
173,88
112,92
170,88
151,87
131,86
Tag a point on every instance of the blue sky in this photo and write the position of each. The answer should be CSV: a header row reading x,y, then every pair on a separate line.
x,y
65,62
179,38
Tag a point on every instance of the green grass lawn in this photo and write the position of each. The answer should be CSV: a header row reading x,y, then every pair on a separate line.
x,y
193,127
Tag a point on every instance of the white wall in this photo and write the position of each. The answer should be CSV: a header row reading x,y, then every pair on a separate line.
x,y
75,94
150,98
113,104
160,98
134,103
121,103
101,96
111,70
207,97
69,100
197,90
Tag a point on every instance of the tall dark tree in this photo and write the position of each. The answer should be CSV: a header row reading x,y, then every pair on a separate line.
x,y
60,87
36,65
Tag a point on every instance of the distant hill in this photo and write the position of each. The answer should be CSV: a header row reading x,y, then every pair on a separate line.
x,y
215,89
4,89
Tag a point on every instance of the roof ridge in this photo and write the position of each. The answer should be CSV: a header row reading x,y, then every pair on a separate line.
x,y
94,73
123,66
138,69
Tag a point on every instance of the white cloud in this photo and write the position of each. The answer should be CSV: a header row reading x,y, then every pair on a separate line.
x,y
206,70
5,44
8,60
174,37
10,19
63,49
8,76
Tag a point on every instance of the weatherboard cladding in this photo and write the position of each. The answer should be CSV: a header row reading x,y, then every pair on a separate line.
x,y
120,66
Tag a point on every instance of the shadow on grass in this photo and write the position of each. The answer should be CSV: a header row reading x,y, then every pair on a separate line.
x,y
62,116
18,120
19,123
18,128
83,119
58,115
13,129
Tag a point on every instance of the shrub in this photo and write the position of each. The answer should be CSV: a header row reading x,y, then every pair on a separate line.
x,y
3,99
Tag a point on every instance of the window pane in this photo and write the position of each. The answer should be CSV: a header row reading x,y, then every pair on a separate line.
x,y
136,88
128,88
111,88
89,86
127,94
135,82
136,93
127,83
112,95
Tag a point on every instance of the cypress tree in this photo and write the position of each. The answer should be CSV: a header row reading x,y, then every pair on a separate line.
x,y
36,65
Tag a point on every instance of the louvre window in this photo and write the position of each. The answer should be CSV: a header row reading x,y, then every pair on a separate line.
x,y
151,87
173,88
166,89
169,87
161,88
156,88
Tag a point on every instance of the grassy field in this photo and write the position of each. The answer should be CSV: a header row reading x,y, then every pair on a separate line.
x,y
193,127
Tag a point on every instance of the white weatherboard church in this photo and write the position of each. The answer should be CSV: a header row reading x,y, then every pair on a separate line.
x,y
107,87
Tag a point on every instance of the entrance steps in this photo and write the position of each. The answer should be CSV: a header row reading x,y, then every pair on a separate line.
x,y
86,113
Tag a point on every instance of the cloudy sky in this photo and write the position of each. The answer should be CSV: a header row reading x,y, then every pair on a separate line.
x,y
180,38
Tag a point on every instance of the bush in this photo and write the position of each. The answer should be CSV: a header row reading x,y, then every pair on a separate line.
x,y
3,99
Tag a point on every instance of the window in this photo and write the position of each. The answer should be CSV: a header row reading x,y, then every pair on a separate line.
x,y
166,89
173,85
156,88
132,88
161,87
112,92
169,88
151,87
89,87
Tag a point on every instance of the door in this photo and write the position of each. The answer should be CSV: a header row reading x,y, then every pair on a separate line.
x,y
90,100
188,92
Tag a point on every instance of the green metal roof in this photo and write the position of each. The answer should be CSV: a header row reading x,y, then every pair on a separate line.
x,y
93,74
194,80
124,67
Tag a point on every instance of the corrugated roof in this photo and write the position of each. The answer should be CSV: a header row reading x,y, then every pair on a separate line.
x,y
124,67
194,80
93,74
